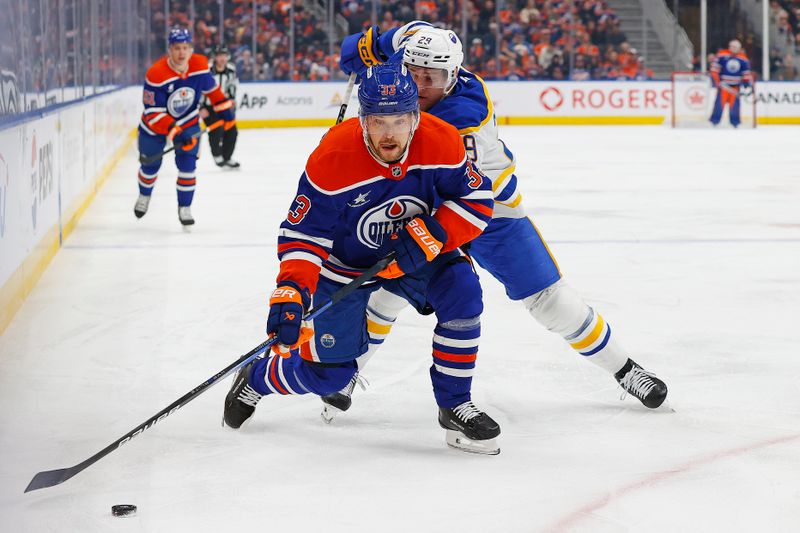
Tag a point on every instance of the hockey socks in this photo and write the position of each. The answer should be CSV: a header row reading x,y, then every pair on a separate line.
x,y
455,350
294,375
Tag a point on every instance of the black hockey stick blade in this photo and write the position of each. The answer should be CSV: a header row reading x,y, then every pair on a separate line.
x,y
51,478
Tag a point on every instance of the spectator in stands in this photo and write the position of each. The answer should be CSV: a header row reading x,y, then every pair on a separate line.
x,y
789,71
580,71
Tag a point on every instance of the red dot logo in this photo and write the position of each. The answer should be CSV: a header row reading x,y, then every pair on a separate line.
x,y
551,98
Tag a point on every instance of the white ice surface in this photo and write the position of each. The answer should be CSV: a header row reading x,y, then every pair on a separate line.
x,y
688,242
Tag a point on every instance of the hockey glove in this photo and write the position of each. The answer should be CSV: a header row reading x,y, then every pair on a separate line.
x,y
419,243
286,307
183,137
360,51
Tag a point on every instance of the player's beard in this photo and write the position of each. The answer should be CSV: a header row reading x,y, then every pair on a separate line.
x,y
389,149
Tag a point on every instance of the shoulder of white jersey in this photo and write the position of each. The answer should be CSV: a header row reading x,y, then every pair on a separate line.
x,y
341,162
404,33
468,107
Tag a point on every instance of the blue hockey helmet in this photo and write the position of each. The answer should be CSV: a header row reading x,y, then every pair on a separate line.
x,y
387,89
179,35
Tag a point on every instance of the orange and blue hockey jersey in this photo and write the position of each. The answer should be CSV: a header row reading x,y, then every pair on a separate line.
x,y
731,69
171,98
348,203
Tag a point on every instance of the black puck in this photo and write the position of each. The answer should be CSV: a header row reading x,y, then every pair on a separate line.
x,y
123,510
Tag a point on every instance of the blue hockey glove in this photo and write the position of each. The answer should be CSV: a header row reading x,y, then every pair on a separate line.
x,y
361,50
286,307
420,242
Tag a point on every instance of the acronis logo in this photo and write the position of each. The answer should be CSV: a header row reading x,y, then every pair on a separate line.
x,y
391,216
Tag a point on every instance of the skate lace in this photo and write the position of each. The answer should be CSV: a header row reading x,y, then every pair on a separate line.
x,y
467,411
249,396
637,382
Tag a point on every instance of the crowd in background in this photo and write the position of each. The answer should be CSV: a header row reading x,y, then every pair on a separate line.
x,y
784,55
81,47
517,40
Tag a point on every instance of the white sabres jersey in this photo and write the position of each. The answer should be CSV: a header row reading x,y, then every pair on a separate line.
x,y
469,108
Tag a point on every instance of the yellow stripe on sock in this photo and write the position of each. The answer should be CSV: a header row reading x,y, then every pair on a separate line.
x,y
378,329
593,336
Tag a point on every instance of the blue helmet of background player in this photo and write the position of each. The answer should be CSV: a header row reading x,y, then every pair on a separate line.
x,y
389,110
179,35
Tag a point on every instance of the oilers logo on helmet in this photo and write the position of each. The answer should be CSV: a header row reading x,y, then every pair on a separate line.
x,y
389,217
180,101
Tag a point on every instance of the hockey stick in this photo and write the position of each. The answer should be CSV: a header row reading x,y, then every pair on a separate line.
x,y
346,100
146,160
51,478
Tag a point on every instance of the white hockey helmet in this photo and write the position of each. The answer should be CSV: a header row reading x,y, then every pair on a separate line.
x,y
735,46
435,48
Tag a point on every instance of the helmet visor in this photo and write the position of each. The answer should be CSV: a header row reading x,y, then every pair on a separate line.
x,y
429,78
384,125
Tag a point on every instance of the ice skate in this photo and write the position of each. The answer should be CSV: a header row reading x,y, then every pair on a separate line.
x,y
338,402
241,401
220,161
469,429
231,164
142,203
636,381
185,215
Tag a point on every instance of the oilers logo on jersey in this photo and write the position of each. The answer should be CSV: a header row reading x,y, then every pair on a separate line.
x,y
180,101
389,217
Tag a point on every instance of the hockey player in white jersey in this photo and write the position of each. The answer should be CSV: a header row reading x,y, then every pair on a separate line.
x,y
511,248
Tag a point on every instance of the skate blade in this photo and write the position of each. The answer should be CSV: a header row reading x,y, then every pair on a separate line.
x,y
665,408
329,413
457,440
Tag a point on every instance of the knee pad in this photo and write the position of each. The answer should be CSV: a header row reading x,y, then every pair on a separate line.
x,y
558,308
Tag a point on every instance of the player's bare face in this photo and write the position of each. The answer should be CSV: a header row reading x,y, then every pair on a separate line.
x,y
389,134
431,83
179,54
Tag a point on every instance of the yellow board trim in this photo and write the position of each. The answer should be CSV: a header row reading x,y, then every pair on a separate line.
x,y
286,123
506,121
581,121
593,336
379,329
20,284
778,120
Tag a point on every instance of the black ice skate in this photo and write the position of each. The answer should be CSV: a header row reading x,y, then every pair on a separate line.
x,y
469,429
185,215
636,381
241,401
231,163
338,402
142,203
220,161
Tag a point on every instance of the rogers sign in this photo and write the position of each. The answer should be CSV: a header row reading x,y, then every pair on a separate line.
x,y
609,98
